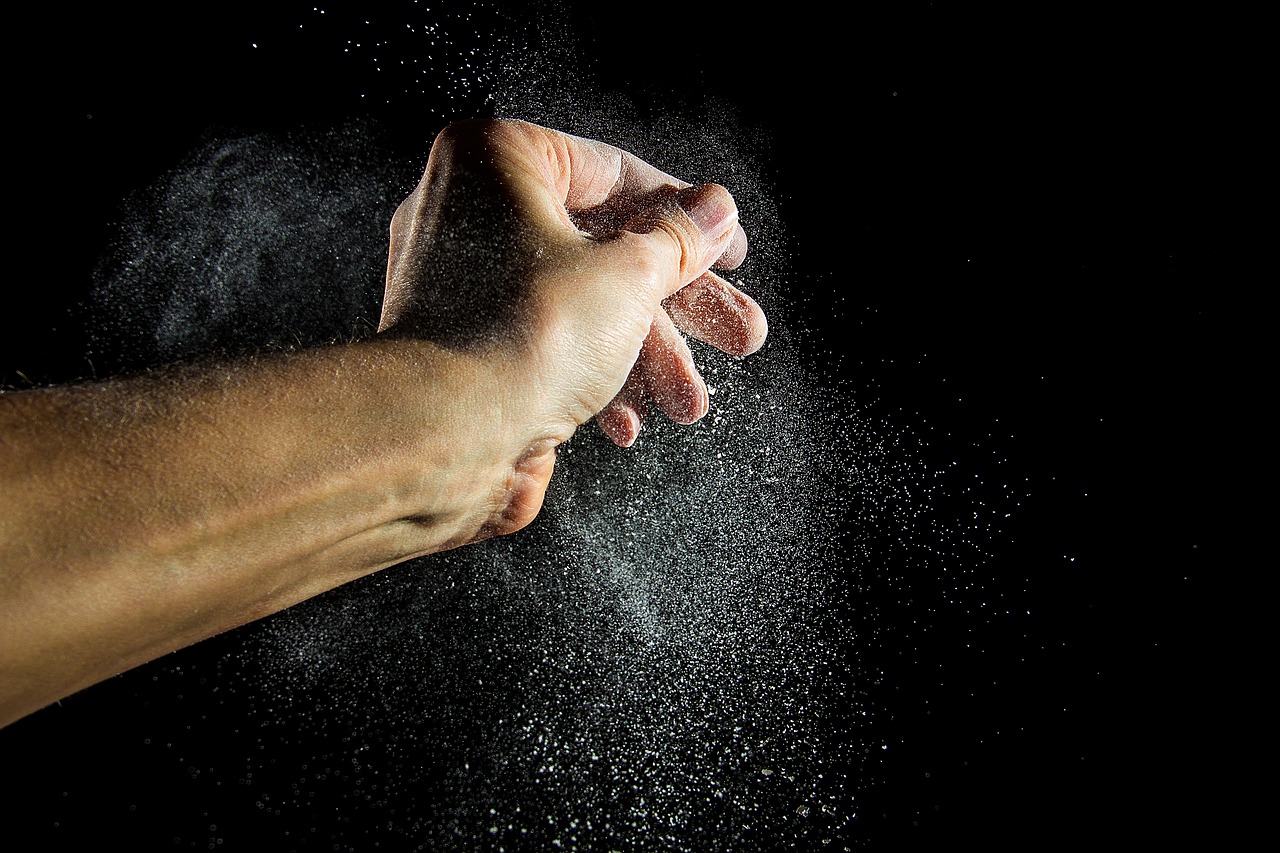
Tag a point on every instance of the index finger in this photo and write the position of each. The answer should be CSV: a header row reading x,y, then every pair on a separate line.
x,y
597,174
602,187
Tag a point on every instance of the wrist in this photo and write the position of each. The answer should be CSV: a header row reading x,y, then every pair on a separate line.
x,y
482,432
440,431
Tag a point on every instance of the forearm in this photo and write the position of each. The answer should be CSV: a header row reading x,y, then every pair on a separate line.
x,y
141,515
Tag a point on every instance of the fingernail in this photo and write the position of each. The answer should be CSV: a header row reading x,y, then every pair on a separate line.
x,y
710,208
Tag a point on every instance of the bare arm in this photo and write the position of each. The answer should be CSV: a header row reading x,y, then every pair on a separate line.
x,y
141,515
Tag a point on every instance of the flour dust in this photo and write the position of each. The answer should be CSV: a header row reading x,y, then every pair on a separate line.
x,y
671,657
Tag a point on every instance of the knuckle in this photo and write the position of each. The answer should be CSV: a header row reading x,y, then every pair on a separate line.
x,y
653,261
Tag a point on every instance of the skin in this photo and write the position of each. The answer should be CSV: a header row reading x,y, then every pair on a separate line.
x,y
535,281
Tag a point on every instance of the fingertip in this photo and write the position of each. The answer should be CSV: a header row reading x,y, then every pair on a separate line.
x,y
736,252
701,406
685,402
700,402
620,423
755,331
715,312
711,208
631,431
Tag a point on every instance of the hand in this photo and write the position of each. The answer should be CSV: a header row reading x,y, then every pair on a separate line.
x,y
578,266
548,275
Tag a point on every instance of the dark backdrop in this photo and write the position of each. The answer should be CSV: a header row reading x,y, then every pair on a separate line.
x,y
1014,223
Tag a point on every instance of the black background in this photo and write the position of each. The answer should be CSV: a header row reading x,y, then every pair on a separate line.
x,y
1046,204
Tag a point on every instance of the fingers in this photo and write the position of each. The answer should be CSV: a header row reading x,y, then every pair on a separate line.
x,y
735,253
598,175
715,312
664,373
670,377
682,235
599,189
708,309
621,418
603,188
686,232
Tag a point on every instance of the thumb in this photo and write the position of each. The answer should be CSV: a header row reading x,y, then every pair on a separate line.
x,y
687,231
